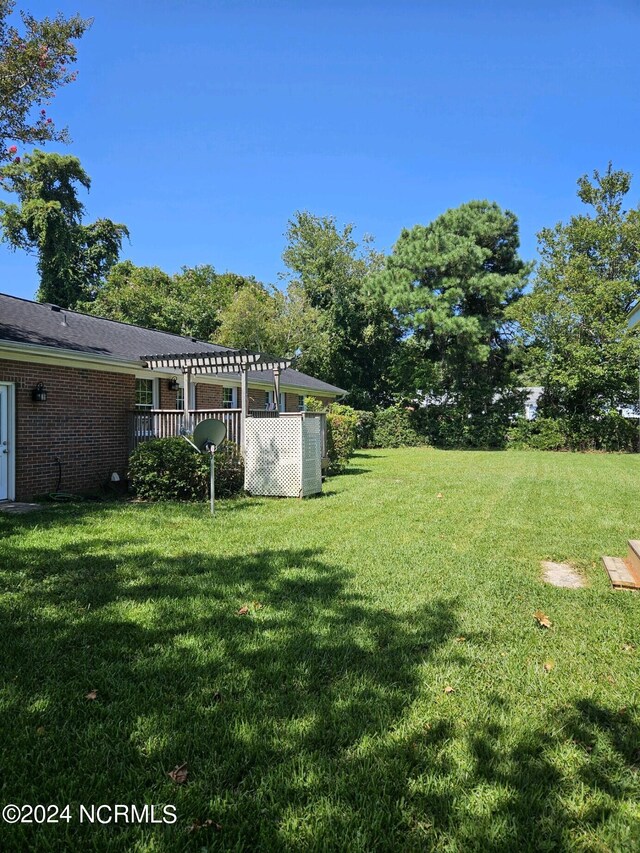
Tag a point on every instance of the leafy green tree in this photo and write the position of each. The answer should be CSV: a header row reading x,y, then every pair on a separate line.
x,y
189,303
72,258
251,321
138,295
268,320
450,284
355,336
575,318
35,61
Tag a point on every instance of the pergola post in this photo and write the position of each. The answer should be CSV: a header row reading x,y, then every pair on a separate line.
x,y
276,387
186,377
244,407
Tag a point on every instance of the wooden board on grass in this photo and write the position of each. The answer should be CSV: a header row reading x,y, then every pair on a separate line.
x,y
621,574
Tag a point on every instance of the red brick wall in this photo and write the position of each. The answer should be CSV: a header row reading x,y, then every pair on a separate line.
x,y
83,423
208,396
290,402
168,399
257,398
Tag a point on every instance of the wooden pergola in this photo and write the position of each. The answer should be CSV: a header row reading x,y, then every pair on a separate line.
x,y
213,363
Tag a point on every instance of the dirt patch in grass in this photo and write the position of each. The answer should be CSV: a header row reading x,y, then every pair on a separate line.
x,y
562,574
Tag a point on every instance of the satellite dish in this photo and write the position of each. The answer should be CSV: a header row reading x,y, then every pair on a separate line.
x,y
208,433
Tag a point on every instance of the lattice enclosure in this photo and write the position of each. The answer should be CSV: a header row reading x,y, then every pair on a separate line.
x,y
283,456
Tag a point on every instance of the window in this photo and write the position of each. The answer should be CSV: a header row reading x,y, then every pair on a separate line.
x,y
144,394
229,398
269,405
301,406
180,397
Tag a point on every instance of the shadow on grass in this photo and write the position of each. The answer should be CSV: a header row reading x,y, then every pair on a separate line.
x,y
294,719
350,469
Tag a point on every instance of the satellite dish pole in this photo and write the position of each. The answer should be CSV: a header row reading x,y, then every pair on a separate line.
x,y
208,435
212,475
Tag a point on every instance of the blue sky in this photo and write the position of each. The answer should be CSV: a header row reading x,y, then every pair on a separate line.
x,y
205,125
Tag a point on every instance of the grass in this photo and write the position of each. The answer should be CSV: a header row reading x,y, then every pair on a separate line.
x,y
319,720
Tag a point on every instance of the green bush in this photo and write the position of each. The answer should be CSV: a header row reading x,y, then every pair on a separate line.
x,y
538,434
312,404
342,424
618,433
395,427
364,428
454,426
168,469
609,431
229,470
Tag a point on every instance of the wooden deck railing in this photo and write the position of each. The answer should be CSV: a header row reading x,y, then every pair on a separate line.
x,y
162,423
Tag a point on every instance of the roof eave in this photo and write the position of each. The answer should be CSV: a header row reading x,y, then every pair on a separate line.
x,y
66,354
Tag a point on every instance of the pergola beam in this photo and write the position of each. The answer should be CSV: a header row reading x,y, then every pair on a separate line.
x,y
230,361
213,363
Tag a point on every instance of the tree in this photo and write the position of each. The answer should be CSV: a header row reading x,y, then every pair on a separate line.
x,y
268,320
72,258
189,303
358,333
450,284
575,318
251,321
33,64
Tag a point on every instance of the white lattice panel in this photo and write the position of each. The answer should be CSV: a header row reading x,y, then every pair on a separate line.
x,y
311,456
282,456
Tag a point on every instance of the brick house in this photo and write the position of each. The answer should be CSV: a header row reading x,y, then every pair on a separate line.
x,y
76,396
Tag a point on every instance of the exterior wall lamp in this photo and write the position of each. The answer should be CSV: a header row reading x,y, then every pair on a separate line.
x,y
174,384
39,393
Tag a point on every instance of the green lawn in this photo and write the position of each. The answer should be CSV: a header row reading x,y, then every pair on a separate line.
x,y
320,721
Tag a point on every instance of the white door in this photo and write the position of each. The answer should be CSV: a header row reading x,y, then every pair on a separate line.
x,y
4,442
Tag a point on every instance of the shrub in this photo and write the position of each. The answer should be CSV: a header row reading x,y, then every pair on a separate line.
x,y
538,434
229,470
342,424
395,427
609,431
312,404
364,428
458,426
166,469
618,433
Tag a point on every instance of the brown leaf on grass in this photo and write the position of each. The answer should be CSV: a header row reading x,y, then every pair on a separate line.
x,y
197,825
548,665
40,731
179,774
460,639
439,495
449,689
542,619
628,647
257,605
243,611
91,695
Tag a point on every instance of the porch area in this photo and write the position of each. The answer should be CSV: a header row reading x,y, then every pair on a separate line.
x,y
164,423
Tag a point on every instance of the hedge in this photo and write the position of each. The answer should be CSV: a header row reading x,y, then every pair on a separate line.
x,y
169,469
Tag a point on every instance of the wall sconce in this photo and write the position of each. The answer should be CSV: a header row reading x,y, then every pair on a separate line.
x,y
39,393
174,384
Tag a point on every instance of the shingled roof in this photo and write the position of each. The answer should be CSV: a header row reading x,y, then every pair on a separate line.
x,y
41,324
